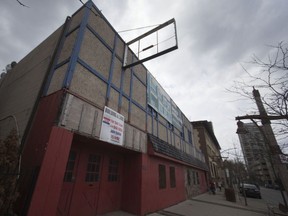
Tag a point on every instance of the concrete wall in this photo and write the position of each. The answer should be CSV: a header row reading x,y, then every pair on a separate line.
x,y
20,87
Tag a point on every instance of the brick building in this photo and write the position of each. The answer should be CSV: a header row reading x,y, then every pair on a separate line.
x,y
92,140
206,140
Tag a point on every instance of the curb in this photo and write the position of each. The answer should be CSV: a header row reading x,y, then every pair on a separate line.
x,y
236,207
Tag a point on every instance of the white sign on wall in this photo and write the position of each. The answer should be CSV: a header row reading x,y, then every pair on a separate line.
x,y
112,127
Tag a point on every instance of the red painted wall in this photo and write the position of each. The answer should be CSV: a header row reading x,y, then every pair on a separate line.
x,y
132,181
110,192
153,198
203,182
48,187
35,147
39,133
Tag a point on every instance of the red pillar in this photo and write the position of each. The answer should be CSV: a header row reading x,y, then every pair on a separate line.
x,y
48,187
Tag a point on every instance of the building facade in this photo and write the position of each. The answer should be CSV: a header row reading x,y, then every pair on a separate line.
x,y
95,137
205,139
257,157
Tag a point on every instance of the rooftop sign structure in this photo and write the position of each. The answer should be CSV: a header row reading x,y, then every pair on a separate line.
x,y
154,43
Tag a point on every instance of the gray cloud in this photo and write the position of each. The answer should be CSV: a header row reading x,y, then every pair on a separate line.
x,y
214,38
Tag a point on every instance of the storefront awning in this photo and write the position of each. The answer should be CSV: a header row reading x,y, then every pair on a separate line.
x,y
161,147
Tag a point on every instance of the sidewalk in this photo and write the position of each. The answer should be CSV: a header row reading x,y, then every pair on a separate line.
x,y
215,205
212,205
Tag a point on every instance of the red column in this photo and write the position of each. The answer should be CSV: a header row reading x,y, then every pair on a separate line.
x,y
48,187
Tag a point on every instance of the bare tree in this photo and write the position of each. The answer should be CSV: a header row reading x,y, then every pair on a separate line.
x,y
271,79
9,150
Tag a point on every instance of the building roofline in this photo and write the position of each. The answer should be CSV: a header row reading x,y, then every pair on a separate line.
x,y
209,128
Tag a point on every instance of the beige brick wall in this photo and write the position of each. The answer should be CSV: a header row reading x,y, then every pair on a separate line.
x,y
100,26
139,92
95,54
89,86
69,42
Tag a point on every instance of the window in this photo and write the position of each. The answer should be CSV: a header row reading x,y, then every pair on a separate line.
x,y
197,178
93,168
162,176
188,177
194,178
172,177
68,176
113,174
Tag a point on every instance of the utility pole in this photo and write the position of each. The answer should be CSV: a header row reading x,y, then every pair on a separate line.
x,y
280,168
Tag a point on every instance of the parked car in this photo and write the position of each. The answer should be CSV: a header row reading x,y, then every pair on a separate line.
x,y
251,190
268,186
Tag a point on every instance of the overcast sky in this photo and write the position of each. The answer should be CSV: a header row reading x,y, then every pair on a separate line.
x,y
215,38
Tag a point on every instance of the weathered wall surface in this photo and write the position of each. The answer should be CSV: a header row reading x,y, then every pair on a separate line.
x,y
20,87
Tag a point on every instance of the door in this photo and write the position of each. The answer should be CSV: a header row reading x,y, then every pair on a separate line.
x,y
92,183
68,184
87,184
80,189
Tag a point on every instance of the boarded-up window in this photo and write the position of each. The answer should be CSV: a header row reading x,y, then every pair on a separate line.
x,y
172,177
162,176
188,177
93,168
195,178
113,174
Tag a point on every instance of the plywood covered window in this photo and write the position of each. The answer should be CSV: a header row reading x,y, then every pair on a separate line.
x,y
113,174
196,178
172,177
93,168
188,177
162,176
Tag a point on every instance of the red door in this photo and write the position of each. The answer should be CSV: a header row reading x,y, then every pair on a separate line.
x,y
80,189
87,182
92,183
68,184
